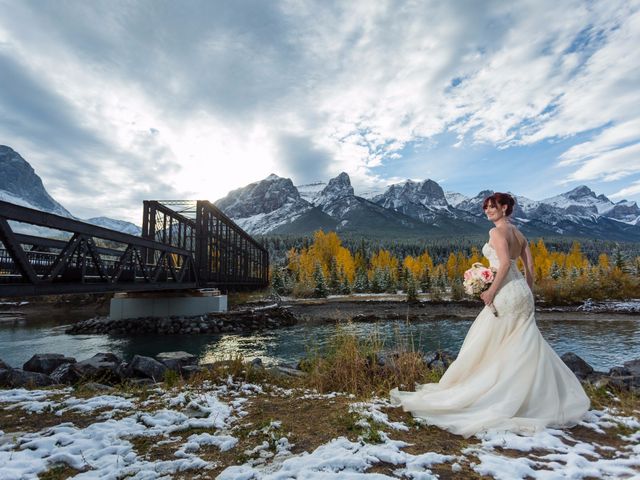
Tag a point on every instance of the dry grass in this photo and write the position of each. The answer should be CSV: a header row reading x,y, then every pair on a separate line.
x,y
624,402
363,367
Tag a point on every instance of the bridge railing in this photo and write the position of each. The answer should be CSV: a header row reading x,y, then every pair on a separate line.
x,y
83,257
225,255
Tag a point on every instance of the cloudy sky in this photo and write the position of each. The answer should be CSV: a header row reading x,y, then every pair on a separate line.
x,y
113,102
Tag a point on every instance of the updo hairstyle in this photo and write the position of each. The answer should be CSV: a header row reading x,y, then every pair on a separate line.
x,y
500,199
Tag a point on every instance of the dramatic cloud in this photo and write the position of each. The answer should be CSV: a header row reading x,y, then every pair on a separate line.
x,y
113,102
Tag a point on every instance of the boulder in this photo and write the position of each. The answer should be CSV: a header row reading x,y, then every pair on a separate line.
x,y
633,366
102,367
97,387
257,363
146,367
577,365
4,366
66,374
189,371
16,378
440,359
176,360
630,382
619,372
289,372
46,362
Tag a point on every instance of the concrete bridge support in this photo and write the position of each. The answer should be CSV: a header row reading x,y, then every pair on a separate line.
x,y
166,304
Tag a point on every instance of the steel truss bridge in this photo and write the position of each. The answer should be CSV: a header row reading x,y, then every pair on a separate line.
x,y
184,245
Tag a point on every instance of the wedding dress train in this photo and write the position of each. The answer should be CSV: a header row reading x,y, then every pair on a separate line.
x,y
506,376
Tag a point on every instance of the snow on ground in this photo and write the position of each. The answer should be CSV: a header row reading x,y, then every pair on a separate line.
x,y
104,448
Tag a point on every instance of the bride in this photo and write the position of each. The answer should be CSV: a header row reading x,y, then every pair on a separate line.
x,y
506,376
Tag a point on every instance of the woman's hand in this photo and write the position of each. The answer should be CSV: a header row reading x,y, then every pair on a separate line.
x,y
487,296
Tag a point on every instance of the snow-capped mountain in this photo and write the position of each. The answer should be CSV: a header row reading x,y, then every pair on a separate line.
x,y
412,208
118,225
310,191
422,200
454,199
355,214
268,206
583,202
20,185
580,201
275,206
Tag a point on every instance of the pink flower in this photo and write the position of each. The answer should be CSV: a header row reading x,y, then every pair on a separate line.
x,y
487,275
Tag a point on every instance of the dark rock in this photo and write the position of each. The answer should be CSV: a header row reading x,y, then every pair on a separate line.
x,y
630,382
577,365
101,367
16,378
619,372
5,377
290,372
146,367
633,366
46,362
257,363
97,387
176,360
4,366
142,382
189,371
440,359
66,374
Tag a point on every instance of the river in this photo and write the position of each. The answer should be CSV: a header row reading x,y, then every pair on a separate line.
x,y
603,340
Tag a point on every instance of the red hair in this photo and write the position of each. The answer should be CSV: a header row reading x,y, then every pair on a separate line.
x,y
500,199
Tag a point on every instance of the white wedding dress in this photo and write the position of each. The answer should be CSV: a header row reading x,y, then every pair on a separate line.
x,y
506,376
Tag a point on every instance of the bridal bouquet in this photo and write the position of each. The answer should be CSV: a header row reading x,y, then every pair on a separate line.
x,y
478,279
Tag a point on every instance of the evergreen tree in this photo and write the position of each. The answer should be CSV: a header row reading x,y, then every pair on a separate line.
x,y
377,281
388,284
320,290
401,276
425,281
277,282
457,289
345,288
556,271
618,260
361,282
334,279
412,291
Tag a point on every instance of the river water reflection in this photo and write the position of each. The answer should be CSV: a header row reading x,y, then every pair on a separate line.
x,y
600,341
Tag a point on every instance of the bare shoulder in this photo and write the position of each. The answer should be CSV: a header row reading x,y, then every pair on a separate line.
x,y
497,233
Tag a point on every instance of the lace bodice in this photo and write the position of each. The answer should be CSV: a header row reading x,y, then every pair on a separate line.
x,y
489,252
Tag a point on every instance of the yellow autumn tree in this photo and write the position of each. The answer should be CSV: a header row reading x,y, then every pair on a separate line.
x,y
382,260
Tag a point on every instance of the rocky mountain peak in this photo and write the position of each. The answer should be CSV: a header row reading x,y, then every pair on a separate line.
x,y
581,192
260,197
338,187
19,180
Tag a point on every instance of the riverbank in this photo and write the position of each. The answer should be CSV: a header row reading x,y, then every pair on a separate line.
x,y
70,309
240,421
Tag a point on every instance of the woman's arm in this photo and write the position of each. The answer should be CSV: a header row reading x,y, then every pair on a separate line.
x,y
527,260
501,246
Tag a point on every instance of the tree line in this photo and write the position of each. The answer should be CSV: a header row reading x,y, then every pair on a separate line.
x,y
565,272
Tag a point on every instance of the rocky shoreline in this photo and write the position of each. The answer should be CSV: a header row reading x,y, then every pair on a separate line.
x,y
260,318
104,369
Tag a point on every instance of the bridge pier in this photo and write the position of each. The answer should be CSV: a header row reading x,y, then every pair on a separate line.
x,y
166,304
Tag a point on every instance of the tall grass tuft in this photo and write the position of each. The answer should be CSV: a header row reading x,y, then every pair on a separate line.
x,y
364,367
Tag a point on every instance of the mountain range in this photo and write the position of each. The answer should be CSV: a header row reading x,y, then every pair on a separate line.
x,y
419,208
19,184
408,209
